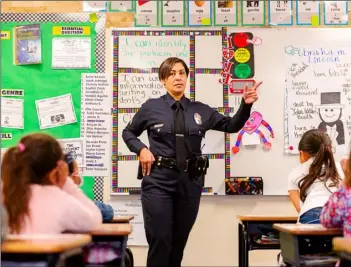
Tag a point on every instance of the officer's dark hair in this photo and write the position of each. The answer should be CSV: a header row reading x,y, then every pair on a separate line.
x,y
166,67
318,145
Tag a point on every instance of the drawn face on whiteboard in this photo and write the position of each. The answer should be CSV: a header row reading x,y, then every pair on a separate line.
x,y
176,81
330,114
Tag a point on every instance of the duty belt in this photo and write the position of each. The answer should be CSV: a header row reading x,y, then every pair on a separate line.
x,y
196,166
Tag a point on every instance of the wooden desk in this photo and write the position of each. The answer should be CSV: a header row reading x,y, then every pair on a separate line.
x,y
342,246
249,227
112,229
122,219
40,248
299,242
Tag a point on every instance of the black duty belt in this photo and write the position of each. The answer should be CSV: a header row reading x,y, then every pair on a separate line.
x,y
196,166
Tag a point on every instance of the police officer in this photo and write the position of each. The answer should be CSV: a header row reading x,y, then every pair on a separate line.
x,y
172,169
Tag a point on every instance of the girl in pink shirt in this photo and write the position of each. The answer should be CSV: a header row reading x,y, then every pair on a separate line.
x,y
39,196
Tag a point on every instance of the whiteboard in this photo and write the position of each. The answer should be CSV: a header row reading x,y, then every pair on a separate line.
x,y
136,57
123,120
202,49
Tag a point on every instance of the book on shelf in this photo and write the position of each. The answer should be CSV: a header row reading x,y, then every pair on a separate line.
x,y
27,44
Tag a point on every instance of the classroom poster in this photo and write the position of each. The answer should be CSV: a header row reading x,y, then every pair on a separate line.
x,y
172,13
12,115
307,12
132,208
146,13
124,5
55,111
336,13
226,13
71,53
199,13
96,123
280,13
253,13
318,86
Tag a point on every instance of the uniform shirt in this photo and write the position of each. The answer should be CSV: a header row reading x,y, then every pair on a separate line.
x,y
157,117
336,212
318,193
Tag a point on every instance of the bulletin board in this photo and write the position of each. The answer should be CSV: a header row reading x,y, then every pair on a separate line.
x,y
41,81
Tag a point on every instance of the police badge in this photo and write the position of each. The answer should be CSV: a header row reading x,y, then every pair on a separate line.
x,y
197,118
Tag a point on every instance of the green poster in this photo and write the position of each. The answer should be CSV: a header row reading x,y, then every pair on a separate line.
x,y
40,81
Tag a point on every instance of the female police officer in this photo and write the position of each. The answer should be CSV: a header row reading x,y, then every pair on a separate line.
x,y
172,169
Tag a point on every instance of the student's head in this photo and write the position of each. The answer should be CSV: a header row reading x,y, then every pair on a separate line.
x,y
316,145
37,159
173,73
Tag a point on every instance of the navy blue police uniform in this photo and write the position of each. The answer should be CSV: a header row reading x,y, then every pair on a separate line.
x,y
170,197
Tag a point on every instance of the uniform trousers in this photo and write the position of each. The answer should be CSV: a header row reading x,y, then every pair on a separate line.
x,y
170,202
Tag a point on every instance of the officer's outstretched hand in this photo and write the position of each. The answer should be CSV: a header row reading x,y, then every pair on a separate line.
x,y
146,160
250,94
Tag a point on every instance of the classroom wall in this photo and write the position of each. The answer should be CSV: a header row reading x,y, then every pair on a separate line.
x,y
217,216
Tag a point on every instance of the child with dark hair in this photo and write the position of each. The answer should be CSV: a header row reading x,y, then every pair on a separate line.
x,y
318,176
315,179
35,182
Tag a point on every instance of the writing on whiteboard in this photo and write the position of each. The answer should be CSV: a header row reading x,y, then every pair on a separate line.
x,y
318,83
151,51
135,88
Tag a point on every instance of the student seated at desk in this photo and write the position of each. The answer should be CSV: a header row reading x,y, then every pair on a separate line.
x,y
336,211
39,196
318,176
106,210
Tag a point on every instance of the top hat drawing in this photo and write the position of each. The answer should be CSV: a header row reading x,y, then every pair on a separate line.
x,y
330,100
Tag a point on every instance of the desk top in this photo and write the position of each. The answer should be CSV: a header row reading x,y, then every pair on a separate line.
x,y
112,229
122,219
273,218
44,243
342,244
307,229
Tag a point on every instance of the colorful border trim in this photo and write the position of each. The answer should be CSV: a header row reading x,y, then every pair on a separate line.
x,y
227,110
208,71
129,70
114,179
192,67
116,70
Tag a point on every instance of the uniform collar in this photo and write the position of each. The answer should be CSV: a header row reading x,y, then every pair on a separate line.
x,y
170,100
